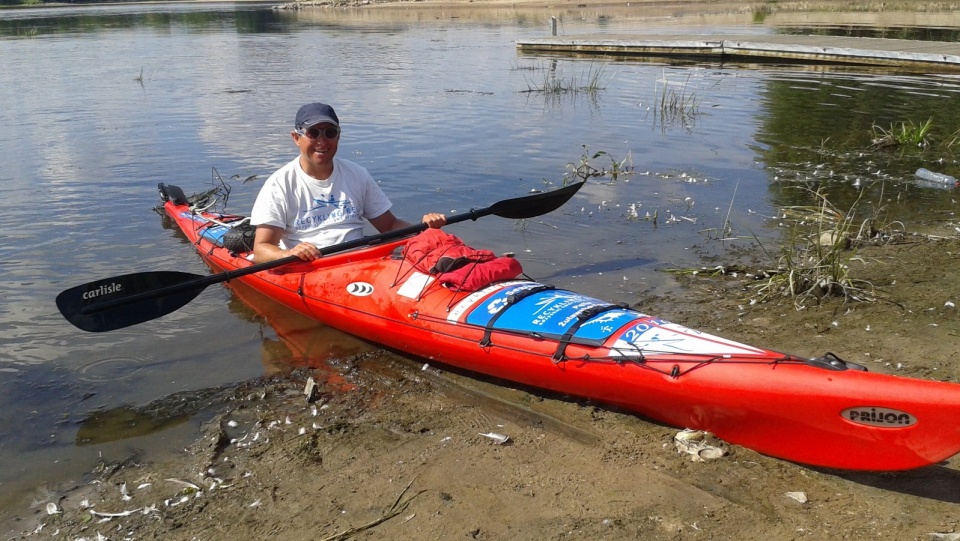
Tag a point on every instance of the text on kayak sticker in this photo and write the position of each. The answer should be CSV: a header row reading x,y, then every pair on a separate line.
x,y
652,336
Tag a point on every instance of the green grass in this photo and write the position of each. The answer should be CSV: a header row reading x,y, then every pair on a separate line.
x,y
908,134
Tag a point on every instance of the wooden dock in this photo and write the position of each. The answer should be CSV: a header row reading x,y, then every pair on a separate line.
x,y
926,56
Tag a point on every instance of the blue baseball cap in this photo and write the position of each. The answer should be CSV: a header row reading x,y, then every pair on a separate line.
x,y
312,114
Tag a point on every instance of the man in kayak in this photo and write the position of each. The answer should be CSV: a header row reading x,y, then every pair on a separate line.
x,y
317,199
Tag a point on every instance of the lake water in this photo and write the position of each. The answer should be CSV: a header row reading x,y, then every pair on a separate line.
x,y
100,104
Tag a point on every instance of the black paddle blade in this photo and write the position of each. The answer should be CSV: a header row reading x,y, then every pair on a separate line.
x,y
531,206
93,306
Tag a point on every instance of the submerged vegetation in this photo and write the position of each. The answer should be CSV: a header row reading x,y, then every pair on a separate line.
x,y
586,168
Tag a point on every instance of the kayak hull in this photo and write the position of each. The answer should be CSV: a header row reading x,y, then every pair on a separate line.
x,y
821,412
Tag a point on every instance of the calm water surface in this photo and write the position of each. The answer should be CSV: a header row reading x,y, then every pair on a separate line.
x,y
101,104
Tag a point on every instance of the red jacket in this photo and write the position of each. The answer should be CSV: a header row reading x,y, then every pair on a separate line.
x,y
458,266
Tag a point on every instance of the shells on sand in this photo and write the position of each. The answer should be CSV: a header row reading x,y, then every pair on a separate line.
x,y
701,446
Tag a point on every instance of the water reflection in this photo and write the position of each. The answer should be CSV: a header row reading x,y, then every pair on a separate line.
x,y
39,22
821,132
913,33
290,340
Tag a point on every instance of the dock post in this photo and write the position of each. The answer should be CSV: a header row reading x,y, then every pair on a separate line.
x,y
553,26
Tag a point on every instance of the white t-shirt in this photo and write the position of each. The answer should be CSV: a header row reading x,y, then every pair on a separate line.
x,y
324,212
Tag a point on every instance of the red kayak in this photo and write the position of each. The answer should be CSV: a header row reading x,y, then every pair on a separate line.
x,y
821,412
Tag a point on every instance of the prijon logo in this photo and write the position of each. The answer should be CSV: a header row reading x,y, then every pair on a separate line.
x,y
876,416
359,289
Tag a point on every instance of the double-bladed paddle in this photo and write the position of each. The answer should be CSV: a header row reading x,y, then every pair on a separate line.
x,y
122,301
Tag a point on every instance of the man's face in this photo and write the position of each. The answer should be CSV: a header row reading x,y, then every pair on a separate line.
x,y
316,144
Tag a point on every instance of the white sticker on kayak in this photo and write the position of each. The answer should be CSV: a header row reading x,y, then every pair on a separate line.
x,y
654,336
415,285
359,289
877,416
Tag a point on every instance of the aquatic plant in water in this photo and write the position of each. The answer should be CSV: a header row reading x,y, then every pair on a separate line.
x,y
677,104
554,82
908,134
585,169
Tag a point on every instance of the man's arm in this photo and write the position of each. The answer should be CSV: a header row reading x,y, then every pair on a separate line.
x,y
266,246
388,222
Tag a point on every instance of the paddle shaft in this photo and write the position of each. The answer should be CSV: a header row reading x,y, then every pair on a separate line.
x,y
122,301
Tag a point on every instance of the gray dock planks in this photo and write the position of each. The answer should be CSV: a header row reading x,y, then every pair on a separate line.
x,y
927,55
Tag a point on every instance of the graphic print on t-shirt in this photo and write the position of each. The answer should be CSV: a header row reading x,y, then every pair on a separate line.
x,y
329,211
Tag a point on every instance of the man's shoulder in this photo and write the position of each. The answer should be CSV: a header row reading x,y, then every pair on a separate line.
x,y
347,167
286,173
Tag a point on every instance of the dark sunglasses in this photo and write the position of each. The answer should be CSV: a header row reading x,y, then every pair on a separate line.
x,y
330,132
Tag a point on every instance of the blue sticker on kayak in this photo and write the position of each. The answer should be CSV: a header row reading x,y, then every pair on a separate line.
x,y
549,313
215,233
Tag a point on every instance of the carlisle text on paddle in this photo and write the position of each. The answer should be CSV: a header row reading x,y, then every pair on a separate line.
x,y
104,289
